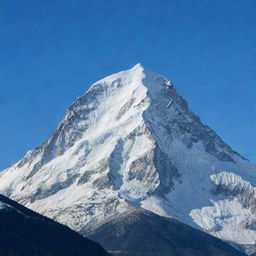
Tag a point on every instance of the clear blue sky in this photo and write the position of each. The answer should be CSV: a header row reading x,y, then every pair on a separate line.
x,y
52,50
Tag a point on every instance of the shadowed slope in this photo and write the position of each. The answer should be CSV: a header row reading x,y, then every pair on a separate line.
x,y
24,232
145,233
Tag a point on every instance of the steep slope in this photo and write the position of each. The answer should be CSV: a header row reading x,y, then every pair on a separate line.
x,y
144,233
24,232
132,140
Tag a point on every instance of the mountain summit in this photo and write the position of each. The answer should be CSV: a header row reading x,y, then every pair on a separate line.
x,y
131,142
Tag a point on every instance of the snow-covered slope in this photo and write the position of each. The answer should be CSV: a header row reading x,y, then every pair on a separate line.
x,y
131,140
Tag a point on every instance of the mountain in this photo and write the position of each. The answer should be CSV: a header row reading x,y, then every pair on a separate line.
x,y
132,141
24,232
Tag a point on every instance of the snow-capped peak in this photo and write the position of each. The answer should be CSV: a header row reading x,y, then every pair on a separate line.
x,y
138,66
131,141
136,76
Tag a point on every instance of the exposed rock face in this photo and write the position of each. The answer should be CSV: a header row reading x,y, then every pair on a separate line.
x,y
131,140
